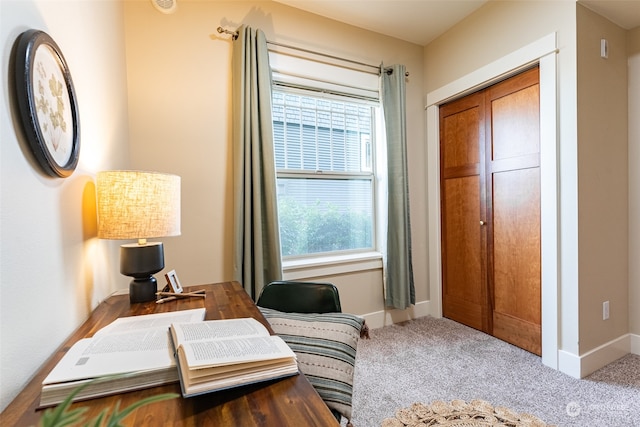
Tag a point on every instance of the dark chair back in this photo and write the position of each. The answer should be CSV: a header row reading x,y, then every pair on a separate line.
x,y
300,297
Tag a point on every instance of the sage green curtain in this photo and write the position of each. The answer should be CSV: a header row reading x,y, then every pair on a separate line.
x,y
256,260
399,285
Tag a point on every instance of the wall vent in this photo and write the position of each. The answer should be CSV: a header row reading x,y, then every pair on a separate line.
x,y
165,6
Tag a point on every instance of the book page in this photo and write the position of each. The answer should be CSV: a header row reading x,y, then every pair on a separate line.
x,y
217,329
205,374
128,344
250,377
114,354
219,352
152,321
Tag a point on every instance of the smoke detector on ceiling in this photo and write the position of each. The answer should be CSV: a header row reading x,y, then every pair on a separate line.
x,y
165,6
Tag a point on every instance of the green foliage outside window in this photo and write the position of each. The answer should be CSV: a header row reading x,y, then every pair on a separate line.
x,y
321,228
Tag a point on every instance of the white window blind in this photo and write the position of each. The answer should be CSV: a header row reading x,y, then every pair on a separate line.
x,y
297,69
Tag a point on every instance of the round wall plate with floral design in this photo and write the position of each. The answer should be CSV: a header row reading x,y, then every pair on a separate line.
x,y
47,103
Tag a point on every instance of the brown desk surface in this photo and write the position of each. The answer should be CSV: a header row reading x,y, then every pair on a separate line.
x,y
288,402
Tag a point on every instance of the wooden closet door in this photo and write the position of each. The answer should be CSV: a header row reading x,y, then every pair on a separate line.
x,y
462,129
490,209
513,191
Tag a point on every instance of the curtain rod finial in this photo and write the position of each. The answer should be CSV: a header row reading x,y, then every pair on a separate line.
x,y
234,34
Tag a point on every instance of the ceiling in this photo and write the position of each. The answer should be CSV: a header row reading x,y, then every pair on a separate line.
x,y
421,21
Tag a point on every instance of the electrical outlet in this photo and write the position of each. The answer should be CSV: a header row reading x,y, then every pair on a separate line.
x,y
605,310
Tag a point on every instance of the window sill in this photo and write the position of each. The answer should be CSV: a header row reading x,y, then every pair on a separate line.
x,y
330,265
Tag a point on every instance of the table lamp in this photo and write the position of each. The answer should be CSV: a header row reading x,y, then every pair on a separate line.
x,y
139,205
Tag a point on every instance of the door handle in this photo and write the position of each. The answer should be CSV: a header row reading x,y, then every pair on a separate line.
x,y
482,222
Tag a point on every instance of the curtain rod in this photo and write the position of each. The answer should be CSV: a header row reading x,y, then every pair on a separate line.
x,y
234,36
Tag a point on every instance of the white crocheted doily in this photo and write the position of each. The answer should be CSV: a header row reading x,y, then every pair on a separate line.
x,y
458,413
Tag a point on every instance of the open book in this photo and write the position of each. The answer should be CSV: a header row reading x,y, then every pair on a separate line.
x,y
219,354
130,353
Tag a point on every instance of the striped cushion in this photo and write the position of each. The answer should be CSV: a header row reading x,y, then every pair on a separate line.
x,y
325,346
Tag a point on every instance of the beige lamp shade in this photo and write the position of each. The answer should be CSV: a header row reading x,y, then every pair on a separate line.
x,y
137,205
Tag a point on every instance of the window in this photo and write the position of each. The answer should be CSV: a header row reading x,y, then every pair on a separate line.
x,y
324,149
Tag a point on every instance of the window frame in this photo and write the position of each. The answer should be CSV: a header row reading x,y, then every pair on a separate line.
x,y
347,260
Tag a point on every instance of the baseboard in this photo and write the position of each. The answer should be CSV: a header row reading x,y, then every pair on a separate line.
x,y
635,344
569,363
588,363
382,318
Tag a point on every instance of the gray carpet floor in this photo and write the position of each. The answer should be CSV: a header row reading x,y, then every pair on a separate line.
x,y
430,359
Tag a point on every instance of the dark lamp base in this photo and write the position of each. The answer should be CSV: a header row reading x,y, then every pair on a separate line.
x,y
143,289
141,262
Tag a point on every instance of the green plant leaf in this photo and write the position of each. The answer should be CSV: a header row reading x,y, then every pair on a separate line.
x,y
61,416
97,421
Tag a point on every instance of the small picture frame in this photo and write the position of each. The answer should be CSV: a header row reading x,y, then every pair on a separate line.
x,y
47,103
173,281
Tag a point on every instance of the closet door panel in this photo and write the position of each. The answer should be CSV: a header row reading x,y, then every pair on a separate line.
x,y
515,122
513,198
465,296
516,258
461,138
464,291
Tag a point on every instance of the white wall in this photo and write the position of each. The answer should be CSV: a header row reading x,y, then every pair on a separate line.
x,y
53,270
603,180
633,49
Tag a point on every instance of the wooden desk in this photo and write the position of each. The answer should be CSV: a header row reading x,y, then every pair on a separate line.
x,y
288,402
